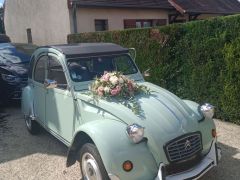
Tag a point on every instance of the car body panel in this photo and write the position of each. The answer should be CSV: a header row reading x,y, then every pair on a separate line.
x,y
27,101
60,113
39,101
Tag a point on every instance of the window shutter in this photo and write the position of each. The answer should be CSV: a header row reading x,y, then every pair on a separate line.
x,y
129,23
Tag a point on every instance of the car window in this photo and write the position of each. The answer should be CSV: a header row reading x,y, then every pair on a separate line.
x,y
31,64
86,69
39,71
55,72
124,64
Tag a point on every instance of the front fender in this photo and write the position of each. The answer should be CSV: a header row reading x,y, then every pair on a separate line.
x,y
205,126
194,107
115,148
27,100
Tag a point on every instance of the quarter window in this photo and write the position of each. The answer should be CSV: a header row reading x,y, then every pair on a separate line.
x,y
39,72
55,72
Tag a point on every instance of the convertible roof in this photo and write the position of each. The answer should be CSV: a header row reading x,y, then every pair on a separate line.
x,y
89,49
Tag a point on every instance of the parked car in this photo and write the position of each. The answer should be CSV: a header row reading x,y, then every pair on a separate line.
x,y
4,38
170,139
14,63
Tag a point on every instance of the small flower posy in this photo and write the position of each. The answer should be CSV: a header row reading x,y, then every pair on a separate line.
x,y
116,85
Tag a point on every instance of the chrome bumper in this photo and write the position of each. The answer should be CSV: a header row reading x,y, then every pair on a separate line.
x,y
199,170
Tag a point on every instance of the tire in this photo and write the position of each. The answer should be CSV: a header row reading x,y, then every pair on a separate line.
x,y
91,163
32,125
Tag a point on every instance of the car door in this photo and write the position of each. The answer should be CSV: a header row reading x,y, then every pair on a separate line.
x,y
39,90
59,102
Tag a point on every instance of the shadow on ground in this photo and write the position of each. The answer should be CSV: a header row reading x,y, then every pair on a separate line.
x,y
16,142
229,166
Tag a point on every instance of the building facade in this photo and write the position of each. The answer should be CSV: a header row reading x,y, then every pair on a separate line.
x,y
45,22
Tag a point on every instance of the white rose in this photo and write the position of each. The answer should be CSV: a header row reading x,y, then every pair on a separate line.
x,y
106,89
113,80
97,83
121,81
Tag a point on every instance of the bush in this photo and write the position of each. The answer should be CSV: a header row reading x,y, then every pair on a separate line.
x,y
198,60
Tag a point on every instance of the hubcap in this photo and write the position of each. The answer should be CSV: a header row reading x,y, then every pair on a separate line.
x,y
90,168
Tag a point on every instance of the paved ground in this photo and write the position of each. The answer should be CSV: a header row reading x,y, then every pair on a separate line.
x,y
42,157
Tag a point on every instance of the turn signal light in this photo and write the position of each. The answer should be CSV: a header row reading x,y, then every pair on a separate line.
x,y
214,133
127,166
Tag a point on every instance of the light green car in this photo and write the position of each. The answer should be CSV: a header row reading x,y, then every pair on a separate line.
x,y
173,139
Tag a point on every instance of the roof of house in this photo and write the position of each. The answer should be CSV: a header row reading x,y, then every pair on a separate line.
x,y
153,4
183,6
207,6
89,49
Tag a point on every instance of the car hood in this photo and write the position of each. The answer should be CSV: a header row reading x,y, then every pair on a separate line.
x,y
16,69
164,115
158,109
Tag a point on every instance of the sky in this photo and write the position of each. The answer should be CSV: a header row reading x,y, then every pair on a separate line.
x,y
1,3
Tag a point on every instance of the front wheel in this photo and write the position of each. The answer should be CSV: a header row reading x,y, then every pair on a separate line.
x,y
32,126
91,163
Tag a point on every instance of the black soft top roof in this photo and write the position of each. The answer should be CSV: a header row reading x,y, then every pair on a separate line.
x,y
89,49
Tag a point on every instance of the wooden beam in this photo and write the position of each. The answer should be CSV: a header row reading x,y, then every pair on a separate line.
x,y
172,18
192,17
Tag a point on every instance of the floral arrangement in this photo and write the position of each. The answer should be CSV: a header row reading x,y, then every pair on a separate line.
x,y
116,85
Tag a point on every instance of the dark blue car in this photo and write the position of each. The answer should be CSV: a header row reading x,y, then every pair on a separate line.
x,y
14,62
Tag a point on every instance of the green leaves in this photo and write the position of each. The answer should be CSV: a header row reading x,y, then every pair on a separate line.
x,y
199,61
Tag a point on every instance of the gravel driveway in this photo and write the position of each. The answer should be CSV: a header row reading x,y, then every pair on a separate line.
x,y
42,157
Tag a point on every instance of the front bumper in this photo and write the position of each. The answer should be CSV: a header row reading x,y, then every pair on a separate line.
x,y
210,160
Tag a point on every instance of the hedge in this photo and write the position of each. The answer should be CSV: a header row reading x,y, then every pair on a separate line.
x,y
198,60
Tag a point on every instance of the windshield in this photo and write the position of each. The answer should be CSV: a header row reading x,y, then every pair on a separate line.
x,y
86,69
15,53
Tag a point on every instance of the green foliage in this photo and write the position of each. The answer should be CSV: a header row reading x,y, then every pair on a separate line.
x,y
198,60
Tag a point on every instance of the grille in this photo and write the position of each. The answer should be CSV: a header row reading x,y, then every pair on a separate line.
x,y
184,147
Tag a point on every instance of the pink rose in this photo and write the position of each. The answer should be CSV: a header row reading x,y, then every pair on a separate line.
x,y
114,92
100,91
105,77
130,86
119,88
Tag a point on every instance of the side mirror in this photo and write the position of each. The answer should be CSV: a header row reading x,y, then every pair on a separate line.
x,y
146,73
50,84
133,53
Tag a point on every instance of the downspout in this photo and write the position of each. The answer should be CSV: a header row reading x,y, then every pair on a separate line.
x,y
74,16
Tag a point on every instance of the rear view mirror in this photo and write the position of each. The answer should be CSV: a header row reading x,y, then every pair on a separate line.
x,y
50,84
146,73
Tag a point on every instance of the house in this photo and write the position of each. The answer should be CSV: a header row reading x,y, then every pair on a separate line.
x,y
49,22
188,10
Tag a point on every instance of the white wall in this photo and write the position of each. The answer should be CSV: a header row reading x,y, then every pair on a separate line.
x,y
86,17
48,20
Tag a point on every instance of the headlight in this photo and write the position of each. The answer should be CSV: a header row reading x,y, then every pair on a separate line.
x,y
10,78
207,110
135,132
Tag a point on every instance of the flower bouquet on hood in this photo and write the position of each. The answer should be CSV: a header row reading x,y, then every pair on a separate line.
x,y
116,85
